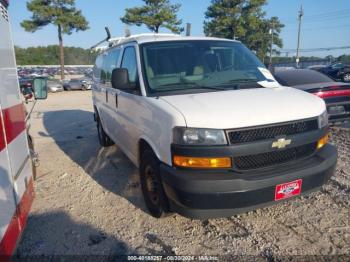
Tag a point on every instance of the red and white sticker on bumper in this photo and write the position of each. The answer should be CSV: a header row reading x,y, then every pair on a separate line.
x,y
287,190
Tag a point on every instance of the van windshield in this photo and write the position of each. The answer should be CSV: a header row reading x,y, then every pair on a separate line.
x,y
199,66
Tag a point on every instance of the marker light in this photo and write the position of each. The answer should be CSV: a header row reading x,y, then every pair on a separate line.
x,y
323,140
202,162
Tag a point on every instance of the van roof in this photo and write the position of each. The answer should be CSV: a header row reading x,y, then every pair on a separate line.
x,y
153,37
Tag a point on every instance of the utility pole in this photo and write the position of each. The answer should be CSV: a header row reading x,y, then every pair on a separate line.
x,y
271,32
188,29
300,15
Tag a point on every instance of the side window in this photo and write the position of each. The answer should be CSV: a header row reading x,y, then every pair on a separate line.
x,y
98,67
129,62
109,63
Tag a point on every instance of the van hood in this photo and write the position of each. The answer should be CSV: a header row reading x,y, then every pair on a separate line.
x,y
246,107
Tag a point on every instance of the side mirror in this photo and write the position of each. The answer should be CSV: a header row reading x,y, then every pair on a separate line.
x,y
40,88
120,79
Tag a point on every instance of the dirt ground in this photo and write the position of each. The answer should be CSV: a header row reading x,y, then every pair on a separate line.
x,y
88,202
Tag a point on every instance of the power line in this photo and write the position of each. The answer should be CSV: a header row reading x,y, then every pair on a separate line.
x,y
314,49
316,28
323,19
329,14
325,15
320,20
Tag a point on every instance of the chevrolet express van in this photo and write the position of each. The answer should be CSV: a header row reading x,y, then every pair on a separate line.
x,y
211,131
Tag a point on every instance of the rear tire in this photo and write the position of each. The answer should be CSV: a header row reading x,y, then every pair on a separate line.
x,y
151,185
103,138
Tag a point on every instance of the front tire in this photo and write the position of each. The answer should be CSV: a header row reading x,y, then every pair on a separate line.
x,y
103,138
151,185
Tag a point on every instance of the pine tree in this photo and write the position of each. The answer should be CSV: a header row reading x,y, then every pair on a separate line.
x,y
154,14
61,13
243,20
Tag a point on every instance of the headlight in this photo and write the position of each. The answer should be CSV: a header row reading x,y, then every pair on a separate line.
x,y
199,136
323,119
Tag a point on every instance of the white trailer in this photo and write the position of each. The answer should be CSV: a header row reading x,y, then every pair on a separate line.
x,y
16,175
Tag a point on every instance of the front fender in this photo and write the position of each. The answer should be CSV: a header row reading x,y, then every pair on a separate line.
x,y
153,147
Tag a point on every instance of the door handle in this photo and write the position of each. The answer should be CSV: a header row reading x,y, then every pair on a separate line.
x,y
116,100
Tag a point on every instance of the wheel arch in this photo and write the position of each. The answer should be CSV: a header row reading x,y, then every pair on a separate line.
x,y
96,113
143,144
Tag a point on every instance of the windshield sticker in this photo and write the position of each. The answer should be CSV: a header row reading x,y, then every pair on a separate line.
x,y
266,73
269,84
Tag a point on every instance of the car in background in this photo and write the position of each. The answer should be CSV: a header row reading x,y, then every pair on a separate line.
x,y
335,94
26,85
337,71
25,82
316,67
87,82
54,86
77,84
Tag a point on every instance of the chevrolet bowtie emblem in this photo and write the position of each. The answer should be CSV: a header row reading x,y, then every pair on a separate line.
x,y
281,143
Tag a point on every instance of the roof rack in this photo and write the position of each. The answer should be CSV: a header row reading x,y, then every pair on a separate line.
x,y
128,38
118,40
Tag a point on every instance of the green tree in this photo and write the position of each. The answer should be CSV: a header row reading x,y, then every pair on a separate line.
x,y
49,55
154,14
344,58
243,20
61,13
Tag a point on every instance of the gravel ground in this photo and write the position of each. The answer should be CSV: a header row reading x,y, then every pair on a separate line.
x,y
88,202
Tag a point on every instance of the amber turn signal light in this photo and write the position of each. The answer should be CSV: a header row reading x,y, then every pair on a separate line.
x,y
202,162
322,141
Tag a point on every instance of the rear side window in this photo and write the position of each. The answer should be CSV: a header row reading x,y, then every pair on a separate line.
x,y
129,62
98,66
110,61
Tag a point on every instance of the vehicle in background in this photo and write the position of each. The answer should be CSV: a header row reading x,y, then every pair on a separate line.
x,y
77,84
337,71
25,82
17,156
335,94
54,86
26,85
282,68
87,82
316,67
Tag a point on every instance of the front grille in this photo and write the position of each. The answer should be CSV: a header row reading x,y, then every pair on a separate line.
x,y
261,133
274,157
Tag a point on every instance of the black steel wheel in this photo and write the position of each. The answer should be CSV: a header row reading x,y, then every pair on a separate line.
x,y
151,185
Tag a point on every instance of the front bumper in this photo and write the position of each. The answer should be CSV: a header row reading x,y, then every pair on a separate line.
x,y
206,194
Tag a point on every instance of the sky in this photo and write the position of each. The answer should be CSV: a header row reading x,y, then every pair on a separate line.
x,y
326,23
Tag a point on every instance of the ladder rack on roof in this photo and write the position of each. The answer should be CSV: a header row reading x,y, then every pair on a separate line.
x,y
117,40
127,38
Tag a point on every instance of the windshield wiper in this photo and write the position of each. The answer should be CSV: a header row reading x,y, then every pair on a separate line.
x,y
189,85
238,83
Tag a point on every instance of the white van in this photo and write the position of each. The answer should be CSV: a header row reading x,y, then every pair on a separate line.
x,y
210,129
